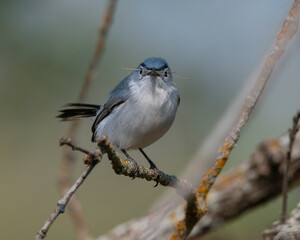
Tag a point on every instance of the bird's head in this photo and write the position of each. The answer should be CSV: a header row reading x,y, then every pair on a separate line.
x,y
155,69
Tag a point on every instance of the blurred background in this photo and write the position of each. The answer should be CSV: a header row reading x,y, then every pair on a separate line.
x,y
45,49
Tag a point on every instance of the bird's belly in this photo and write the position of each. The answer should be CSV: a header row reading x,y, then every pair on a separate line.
x,y
133,125
149,132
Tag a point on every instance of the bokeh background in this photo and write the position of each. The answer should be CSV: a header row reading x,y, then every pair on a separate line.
x,y
45,48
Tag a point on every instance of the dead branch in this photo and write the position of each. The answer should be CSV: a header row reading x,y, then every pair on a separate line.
x,y
103,31
127,168
249,185
124,167
95,158
252,183
68,156
195,210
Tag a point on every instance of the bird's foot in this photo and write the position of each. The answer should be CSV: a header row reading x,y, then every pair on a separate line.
x,y
158,175
136,167
157,180
153,167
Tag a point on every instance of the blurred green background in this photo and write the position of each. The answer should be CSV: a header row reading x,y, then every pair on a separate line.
x,y
45,48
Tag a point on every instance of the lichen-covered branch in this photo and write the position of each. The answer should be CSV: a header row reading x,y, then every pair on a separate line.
x,y
65,178
127,168
94,159
198,208
124,167
252,183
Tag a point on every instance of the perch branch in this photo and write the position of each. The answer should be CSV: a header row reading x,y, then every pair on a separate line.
x,y
120,166
127,168
95,158
292,134
199,209
251,184
68,156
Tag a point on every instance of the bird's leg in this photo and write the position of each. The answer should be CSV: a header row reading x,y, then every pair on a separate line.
x,y
152,165
130,159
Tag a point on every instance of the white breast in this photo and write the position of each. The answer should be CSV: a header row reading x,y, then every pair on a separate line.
x,y
144,118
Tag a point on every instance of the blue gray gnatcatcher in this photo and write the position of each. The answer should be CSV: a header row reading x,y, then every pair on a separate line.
x,y
138,111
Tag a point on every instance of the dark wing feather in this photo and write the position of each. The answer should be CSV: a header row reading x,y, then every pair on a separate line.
x,y
105,110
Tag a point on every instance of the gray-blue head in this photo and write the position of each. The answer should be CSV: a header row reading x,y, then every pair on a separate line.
x,y
155,68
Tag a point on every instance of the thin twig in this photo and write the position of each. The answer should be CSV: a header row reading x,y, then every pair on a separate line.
x,y
199,209
106,23
95,158
292,135
67,156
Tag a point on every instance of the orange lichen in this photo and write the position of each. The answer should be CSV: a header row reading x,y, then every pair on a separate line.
x,y
212,171
292,12
227,146
221,162
201,212
202,189
181,225
179,231
281,34
273,145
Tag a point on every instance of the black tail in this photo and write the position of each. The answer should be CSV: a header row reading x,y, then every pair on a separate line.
x,y
77,111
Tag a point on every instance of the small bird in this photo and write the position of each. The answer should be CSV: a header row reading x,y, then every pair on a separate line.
x,y
138,111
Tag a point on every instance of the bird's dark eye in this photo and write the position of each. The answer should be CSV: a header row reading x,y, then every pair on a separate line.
x,y
141,71
166,73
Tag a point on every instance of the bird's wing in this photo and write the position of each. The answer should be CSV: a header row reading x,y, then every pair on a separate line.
x,y
105,110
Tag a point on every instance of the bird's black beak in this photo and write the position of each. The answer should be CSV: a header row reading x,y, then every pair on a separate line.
x,y
153,73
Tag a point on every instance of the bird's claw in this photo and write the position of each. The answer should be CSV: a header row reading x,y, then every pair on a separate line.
x,y
157,181
158,176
